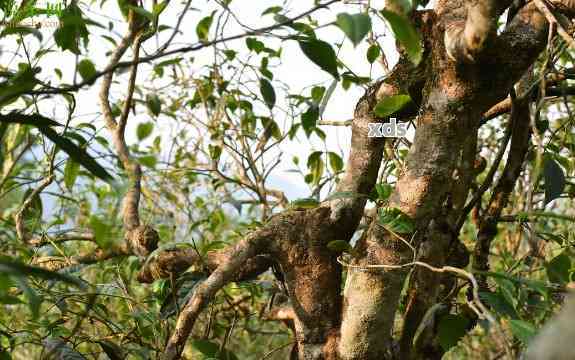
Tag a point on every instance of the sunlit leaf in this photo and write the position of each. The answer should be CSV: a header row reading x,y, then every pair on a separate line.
x,y
406,34
391,104
144,130
354,26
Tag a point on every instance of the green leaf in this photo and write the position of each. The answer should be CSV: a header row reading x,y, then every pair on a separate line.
x,y
21,30
255,45
451,329
185,285
558,269
335,162
391,104
383,191
321,54
271,128
316,166
113,351
215,152
406,34
272,10
86,69
144,130
34,300
554,179
148,161
14,268
305,203
373,53
522,330
499,304
76,153
345,195
33,119
72,29
102,232
22,81
211,351
154,104
203,27
268,93
71,173
339,246
142,12
395,220
309,119
57,349
354,26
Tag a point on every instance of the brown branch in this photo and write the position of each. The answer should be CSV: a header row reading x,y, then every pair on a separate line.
x,y
204,292
520,140
21,231
464,41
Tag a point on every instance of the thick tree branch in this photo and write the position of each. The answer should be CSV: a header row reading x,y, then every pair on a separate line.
x,y
204,292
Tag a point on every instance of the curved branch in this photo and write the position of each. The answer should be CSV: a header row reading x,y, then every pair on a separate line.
x,y
244,250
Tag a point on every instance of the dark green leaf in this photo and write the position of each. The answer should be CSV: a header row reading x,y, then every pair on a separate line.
x,y
373,53
395,220
113,351
522,330
11,267
154,104
316,166
554,179
309,119
391,104
76,153
268,93
451,329
354,26
72,29
339,246
142,12
345,195
86,69
406,34
335,162
21,30
56,349
305,203
558,269
499,304
144,130
254,45
148,161
33,119
383,191
185,285
272,10
321,54
211,351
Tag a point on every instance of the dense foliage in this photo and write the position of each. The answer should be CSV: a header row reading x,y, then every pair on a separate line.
x,y
211,114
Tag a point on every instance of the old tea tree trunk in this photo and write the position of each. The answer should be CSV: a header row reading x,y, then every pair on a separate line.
x,y
467,69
